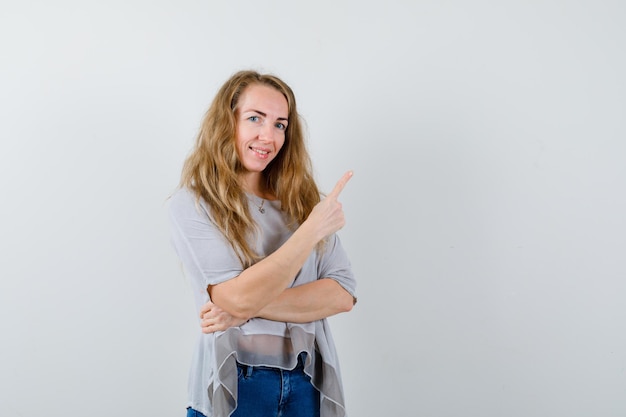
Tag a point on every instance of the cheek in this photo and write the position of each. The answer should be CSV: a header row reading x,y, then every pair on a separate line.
x,y
280,143
240,138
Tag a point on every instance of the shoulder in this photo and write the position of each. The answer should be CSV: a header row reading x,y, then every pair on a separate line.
x,y
181,198
185,202
182,195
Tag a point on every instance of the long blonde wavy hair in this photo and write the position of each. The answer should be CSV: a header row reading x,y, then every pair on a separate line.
x,y
213,169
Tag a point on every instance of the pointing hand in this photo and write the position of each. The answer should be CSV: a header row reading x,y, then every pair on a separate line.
x,y
327,215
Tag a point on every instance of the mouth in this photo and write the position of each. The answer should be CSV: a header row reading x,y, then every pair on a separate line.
x,y
262,152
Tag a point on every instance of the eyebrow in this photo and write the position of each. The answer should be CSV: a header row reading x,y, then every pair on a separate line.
x,y
265,115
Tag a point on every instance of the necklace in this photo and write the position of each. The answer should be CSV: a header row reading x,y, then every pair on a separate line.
x,y
260,207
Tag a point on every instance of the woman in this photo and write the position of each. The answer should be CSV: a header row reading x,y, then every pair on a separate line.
x,y
266,266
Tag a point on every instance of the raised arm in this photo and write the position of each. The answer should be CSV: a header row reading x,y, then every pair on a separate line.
x,y
246,295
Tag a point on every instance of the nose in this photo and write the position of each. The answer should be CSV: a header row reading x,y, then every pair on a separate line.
x,y
266,132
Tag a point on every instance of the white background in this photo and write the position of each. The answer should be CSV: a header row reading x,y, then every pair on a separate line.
x,y
485,218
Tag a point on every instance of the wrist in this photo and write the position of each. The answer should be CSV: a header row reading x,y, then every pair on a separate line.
x,y
309,232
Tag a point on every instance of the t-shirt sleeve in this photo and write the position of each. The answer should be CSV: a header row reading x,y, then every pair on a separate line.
x,y
334,264
201,247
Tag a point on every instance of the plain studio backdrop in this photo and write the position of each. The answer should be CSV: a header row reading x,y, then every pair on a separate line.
x,y
486,216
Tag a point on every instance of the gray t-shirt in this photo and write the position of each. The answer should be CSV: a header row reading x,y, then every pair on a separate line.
x,y
209,259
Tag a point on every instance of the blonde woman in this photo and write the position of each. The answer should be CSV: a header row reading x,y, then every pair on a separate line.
x,y
265,263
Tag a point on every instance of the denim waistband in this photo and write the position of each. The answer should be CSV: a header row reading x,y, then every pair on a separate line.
x,y
299,366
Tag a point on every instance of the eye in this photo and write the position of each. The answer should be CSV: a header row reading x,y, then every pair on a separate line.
x,y
281,126
253,118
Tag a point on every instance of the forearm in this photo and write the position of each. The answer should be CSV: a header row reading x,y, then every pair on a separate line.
x,y
245,295
309,302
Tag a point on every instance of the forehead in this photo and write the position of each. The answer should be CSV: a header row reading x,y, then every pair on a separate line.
x,y
264,98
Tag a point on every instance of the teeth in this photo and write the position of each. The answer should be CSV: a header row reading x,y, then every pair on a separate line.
x,y
260,151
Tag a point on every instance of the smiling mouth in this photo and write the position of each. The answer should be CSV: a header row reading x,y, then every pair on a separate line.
x,y
260,151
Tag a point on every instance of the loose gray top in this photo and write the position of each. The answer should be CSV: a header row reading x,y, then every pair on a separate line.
x,y
209,259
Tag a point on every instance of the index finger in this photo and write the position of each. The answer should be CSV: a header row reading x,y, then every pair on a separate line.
x,y
340,185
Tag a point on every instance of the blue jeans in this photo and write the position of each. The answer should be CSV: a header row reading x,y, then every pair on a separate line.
x,y
265,392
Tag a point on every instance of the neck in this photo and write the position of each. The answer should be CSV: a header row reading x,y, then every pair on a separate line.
x,y
254,183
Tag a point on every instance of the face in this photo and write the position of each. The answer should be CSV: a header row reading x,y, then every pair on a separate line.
x,y
262,118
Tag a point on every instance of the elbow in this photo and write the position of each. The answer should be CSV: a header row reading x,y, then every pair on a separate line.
x,y
343,301
238,306
346,302
242,311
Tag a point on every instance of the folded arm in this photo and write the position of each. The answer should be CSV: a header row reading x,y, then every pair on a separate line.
x,y
309,302
302,304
